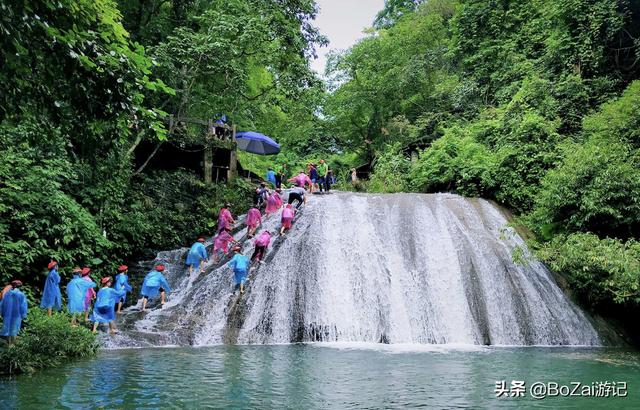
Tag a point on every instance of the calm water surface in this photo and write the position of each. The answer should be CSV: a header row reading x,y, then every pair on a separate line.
x,y
320,376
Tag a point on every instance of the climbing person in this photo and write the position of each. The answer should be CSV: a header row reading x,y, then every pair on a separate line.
x,y
313,176
323,169
51,297
288,213
254,218
240,265
261,195
260,246
13,309
122,284
297,194
154,283
76,291
197,255
301,180
221,245
104,309
90,295
225,219
271,176
274,202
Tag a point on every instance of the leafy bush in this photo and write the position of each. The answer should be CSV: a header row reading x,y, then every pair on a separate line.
x,y
46,342
455,162
596,188
600,270
391,171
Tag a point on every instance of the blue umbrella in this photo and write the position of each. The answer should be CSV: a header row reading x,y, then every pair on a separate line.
x,y
257,143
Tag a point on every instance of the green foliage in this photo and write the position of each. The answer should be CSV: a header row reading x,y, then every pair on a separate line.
x,y
391,171
600,270
456,162
596,188
170,209
46,342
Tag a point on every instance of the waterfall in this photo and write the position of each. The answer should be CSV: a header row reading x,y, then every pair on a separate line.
x,y
402,268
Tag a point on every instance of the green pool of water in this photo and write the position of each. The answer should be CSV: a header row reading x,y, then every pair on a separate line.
x,y
321,376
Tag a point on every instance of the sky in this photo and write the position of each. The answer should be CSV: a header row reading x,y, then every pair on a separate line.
x,y
343,21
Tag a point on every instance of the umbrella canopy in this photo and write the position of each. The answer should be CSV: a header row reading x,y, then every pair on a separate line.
x,y
257,143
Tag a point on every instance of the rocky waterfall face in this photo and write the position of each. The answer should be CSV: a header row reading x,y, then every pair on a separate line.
x,y
403,268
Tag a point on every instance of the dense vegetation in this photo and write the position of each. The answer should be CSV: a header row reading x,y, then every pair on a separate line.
x,y
46,342
533,104
85,83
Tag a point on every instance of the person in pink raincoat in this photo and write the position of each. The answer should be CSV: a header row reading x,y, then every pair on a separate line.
x,y
254,218
221,245
260,246
288,213
301,180
90,295
274,202
225,219
279,197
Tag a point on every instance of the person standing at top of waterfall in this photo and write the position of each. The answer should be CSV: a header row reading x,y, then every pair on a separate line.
x,y
225,219
51,296
90,295
313,176
197,255
323,169
254,219
76,291
297,194
274,202
260,246
154,283
122,283
271,176
221,245
104,310
13,309
288,213
240,265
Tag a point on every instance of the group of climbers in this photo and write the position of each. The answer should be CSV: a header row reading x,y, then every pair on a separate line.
x,y
109,299
81,294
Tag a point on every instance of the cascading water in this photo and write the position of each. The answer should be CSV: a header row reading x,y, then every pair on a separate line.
x,y
404,268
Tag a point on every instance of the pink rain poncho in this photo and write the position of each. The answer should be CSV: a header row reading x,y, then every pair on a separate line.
x,y
89,295
263,239
221,242
254,218
287,216
301,179
273,203
224,219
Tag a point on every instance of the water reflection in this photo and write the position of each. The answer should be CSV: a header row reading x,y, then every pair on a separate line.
x,y
316,376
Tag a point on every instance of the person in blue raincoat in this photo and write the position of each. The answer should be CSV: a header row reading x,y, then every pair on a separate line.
x,y
240,265
271,176
122,283
104,310
13,308
197,255
76,292
51,296
154,283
